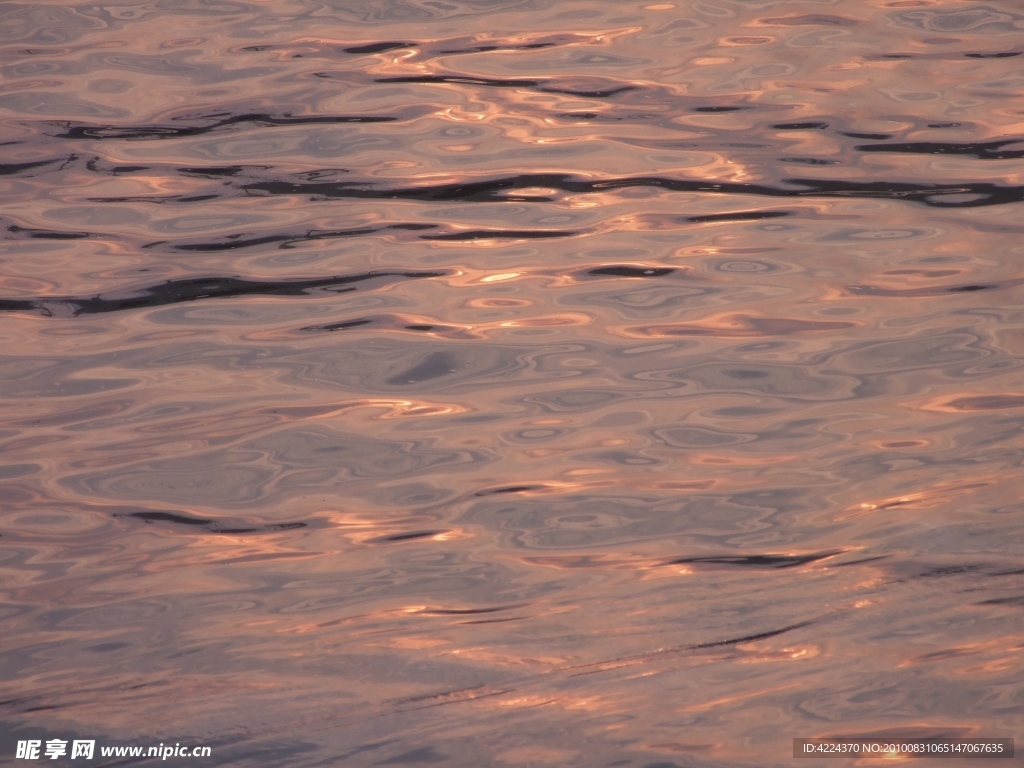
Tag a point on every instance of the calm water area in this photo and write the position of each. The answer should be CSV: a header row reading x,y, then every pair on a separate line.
x,y
510,382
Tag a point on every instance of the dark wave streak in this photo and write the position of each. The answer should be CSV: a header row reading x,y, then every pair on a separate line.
x,y
985,150
382,47
431,51
117,170
219,171
499,234
234,242
872,136
711,218
129,132
752,638
489,48
627,271
456,46
210,525
290,239
944,56
400,537
938,290
757,561
391,323
47,234
490,82
194,288
503,189
1016,602
156,200
9,169
815,126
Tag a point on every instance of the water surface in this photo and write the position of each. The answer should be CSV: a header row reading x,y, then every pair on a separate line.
x,y
469,382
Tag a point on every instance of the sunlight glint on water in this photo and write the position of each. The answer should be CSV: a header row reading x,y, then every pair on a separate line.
x,y
511,383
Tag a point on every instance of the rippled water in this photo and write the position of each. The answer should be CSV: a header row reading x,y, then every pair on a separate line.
x,y
483,382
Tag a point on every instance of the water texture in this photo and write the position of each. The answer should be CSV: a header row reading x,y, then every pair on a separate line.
x,y
511,382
